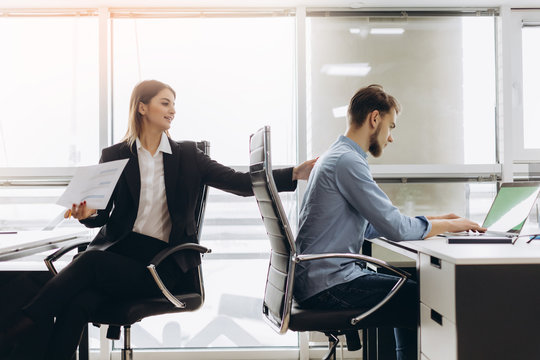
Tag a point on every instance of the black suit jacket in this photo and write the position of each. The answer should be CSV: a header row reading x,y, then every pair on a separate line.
x,y
185,171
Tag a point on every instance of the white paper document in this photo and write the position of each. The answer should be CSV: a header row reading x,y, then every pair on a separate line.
x,y
93,184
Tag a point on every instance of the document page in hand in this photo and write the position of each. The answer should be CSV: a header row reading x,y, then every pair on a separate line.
x,y
93,184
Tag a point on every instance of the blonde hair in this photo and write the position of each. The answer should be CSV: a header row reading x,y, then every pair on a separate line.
x,y
143,92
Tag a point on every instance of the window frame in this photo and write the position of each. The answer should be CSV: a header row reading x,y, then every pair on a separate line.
x,y
300,13
428,172
520,18
58,13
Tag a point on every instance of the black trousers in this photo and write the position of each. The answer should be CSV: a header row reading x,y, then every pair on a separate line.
x,y
91,279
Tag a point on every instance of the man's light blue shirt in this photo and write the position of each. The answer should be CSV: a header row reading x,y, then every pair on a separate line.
x,y
342,206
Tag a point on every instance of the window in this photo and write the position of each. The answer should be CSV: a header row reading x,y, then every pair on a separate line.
x,y
49,99
440,68
49,92
231,77
531,86
523,28
470,200
23,208
233,73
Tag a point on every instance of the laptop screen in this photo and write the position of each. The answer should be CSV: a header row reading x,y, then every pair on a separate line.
x,y
511,207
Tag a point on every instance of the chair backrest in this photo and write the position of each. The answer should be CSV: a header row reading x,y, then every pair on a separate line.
x,y
204,146
193,280
279,282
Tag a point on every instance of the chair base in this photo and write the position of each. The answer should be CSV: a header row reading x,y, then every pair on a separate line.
x,y
333,341
127,351
113,332
353,343
127,354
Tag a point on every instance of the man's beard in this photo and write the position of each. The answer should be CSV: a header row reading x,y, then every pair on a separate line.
x,y
374,147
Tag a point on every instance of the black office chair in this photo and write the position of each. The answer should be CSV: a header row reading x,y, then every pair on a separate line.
x,y
125,314
279,307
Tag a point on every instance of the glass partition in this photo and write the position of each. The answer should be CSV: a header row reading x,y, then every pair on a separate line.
x,y
440,68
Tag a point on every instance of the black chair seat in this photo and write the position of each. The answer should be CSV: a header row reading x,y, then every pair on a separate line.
x,y
302,319
130,312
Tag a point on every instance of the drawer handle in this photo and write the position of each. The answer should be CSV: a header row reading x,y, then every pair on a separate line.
x,y
435,316
436,262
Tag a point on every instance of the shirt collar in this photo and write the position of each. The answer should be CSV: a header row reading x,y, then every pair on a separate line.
x,y
354,145
164,145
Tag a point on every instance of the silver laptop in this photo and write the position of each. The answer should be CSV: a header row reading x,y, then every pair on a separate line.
x,y
507,215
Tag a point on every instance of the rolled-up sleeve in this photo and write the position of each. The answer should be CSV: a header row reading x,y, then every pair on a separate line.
x,y
371,232
354,181
428,225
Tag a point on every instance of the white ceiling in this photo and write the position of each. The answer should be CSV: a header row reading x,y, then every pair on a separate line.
x,y
265,3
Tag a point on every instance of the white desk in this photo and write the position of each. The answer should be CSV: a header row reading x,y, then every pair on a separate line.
x,y
477,301
21,277
24,243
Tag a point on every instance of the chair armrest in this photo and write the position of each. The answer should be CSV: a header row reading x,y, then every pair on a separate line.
x,y
49,260
162,255
403,275
368,259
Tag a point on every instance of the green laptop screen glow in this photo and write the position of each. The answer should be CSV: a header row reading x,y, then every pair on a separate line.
x,y
511,208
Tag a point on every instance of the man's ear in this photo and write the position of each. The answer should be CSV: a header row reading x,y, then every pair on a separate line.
x,y
142,108
374,118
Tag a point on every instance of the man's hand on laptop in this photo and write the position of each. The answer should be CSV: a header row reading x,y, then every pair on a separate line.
x,y
451,223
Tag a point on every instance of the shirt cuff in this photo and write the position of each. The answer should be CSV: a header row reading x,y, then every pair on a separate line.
x,y
427,223
89,220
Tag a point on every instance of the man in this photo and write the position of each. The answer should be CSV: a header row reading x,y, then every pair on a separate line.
x,y
343,205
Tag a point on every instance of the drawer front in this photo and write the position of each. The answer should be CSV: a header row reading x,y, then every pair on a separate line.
x,y
438,336
437,285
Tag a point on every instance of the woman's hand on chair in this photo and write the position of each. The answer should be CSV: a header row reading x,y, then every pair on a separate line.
x,y
80,212
302,171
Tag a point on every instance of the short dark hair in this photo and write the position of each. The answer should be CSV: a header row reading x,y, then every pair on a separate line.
x,y
368,99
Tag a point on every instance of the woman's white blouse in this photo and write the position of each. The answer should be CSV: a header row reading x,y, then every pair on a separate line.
x,y
153,217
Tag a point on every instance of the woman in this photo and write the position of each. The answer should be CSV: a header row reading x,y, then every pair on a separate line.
x,y
152,207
